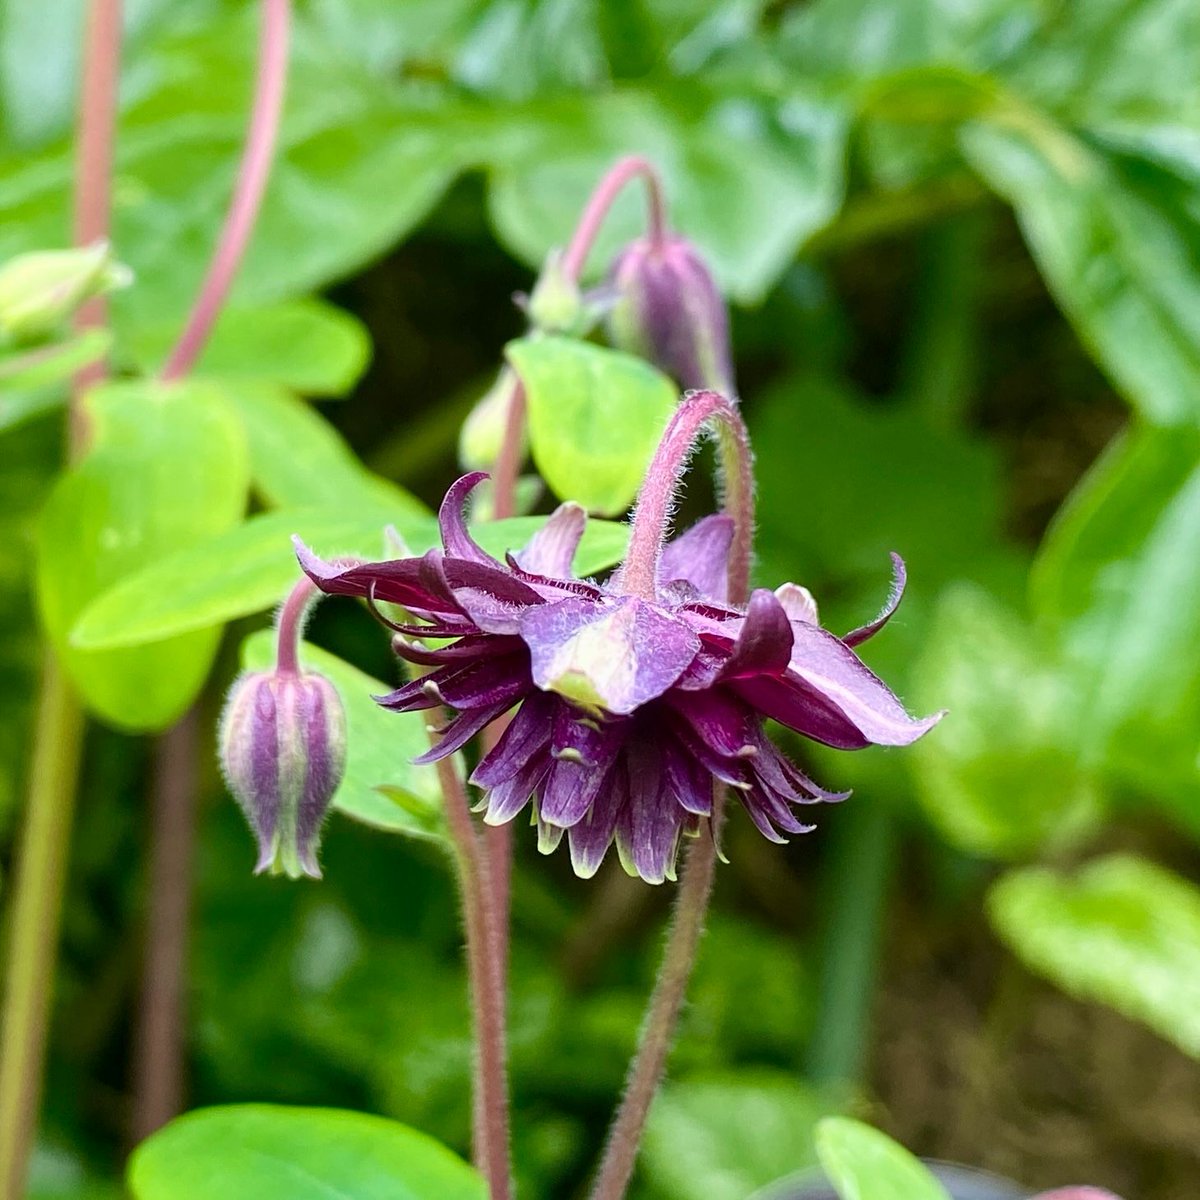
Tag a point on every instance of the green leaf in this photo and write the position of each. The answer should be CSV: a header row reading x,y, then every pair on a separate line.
x,y
263,1151
305,345
748,183
1116,237
166,468
297,458
33,382
595,417
381,786
1001,775
1116,583
250,568
865,1164
1121,931
722,1137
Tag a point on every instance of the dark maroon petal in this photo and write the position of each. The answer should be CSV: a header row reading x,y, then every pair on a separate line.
x,y
461,730
551,550
590,838
490,596
414,696
584,754
720,720
553,589
701,557
403,581
507,799
728,769
479,684
764,643
775,771
762,822
649,826
803,709
528,733
899,578
466,649
614,657
686,778
452,519
705,669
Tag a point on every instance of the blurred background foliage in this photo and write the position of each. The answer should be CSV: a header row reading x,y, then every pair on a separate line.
x,y
963,241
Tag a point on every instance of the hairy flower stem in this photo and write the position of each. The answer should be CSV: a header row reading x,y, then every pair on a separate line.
x,y
290,625
40,871
623,171
248,192
484,937
639,577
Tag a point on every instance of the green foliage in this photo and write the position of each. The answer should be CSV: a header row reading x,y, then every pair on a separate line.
x,y
33,382
722,1137
380,747
251,1151
865,1164
595,416
1121,931
166,467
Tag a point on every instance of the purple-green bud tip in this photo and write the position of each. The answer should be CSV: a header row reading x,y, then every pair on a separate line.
x,y
283,750
667,309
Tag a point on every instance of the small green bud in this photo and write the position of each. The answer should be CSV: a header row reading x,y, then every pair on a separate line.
x,y
40,290
556,305
483,431
283,750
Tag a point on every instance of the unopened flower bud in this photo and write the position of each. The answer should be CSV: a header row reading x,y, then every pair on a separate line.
x,y
283,749
483,432
667,309
555,305
39,291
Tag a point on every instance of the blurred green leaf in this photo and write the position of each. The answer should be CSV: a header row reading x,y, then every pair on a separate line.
x,y
1117,582
380,746
721,1138
306,345
595,417
166,468
298,459
1117,239
1001,775
34,381
1121,931
749,184
250,568
255,1151
865,1164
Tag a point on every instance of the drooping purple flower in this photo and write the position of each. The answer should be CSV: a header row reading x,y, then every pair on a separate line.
x,y
630,710
666,308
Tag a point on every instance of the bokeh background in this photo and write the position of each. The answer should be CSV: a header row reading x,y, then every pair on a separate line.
x,y
962,242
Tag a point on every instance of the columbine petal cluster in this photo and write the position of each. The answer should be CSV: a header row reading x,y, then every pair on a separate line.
x,y
631,711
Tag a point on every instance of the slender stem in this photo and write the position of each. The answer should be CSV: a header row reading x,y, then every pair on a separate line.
x,y
36,909
639,576
487,1002
248,191
508,462
58,734
601,200
695,887
290,625
158,1074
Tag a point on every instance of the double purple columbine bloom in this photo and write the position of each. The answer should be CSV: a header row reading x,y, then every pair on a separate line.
x,y
630,709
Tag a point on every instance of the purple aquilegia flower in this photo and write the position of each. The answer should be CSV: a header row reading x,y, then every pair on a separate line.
x,y
630,709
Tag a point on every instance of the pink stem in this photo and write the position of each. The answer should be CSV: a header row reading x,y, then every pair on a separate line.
x,y
601,200
248,191
290,626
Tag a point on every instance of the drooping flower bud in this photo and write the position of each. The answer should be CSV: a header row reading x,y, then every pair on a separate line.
x,y
283,750
667,309
39,291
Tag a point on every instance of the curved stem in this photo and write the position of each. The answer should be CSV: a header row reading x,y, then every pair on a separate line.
x,y
36,909
290,625
482,923
248,191
601,200
639,576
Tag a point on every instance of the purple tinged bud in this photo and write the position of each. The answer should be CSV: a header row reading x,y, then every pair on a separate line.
x,y
667,309
283,751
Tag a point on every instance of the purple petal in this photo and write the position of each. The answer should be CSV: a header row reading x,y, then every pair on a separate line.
x,y
721,721
764,645
899,578
701,557
552,549
461,730
452,519
584,755
481,684
404,581
591,837
613,657
528,733
489,595
466,649
691,784
649,826
798,603
507,799
775,771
